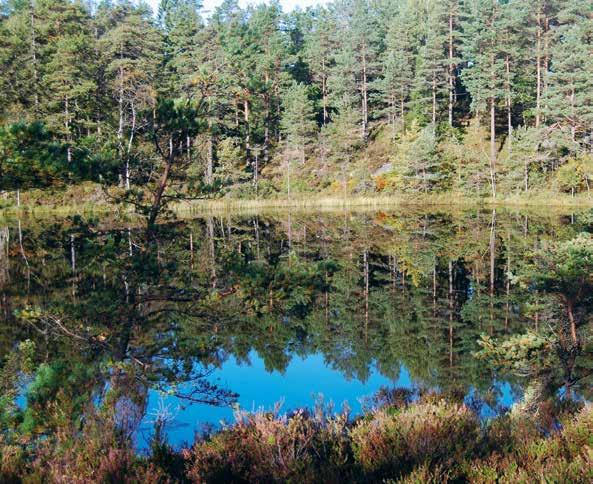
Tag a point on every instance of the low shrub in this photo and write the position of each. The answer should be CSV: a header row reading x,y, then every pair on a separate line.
x,y
264,447
428,440
390,443
564,456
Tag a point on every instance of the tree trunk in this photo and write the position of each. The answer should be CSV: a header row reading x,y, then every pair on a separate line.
x,y
450,313
158,195
526,173
210,155
22,250
451,70
573,129
130,141
72,254
492,252
508,284
324,91
266,121
34,62
507,63
288,177
212,250
493,146
365,116
538,68
366,293
402,112
434,289
67,126
247,130
434,99
572,321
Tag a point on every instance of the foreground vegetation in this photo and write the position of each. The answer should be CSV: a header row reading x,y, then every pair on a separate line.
x,y
429,440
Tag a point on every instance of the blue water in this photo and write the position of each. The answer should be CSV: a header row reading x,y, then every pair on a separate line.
x,y
304,381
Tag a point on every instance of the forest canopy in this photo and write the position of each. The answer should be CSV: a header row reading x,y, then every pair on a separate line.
x,y
472,96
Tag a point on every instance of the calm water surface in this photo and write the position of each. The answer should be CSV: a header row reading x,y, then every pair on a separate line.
x,y
218,312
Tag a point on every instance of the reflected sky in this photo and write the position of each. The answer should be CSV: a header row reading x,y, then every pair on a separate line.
x,y
305,380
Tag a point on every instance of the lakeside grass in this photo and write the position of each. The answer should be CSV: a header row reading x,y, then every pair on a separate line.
x,y
450,201
75,204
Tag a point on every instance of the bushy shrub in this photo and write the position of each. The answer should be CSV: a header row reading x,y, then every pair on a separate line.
x,y
565,456
266,448
427,441
391,442
96,454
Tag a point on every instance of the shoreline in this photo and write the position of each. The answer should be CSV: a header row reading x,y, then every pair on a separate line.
x,y
318,202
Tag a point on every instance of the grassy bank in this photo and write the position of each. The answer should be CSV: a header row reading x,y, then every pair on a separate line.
x,y
430,440
379,201
75,199
90,198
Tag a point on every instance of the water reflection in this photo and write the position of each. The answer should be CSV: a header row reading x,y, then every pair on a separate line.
x,y
216,309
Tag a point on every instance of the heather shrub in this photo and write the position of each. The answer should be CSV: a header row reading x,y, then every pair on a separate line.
x,y
264,447
565,456
96,454
11,461
428,441
510,431
391,443
424,474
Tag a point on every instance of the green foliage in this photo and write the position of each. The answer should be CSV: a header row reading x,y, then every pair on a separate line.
x,y
525,355
29,156
19,363
315,85
393,443
469,157
576,175
417,160
298,121
32,157
565,268
272,448
231,163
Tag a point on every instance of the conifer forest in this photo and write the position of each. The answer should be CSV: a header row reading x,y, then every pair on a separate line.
x,y
478,97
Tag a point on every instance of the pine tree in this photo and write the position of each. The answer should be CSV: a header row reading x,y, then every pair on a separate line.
x,y
67,77
432,63
239,49
364,27
181,24
298,119
318,52
271,58
453,35
398,76
482,51
418,159
542,18
131,48
19,58
569,100
511,26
